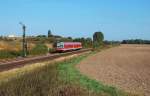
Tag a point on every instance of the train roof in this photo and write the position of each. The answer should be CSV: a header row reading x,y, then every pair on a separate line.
x,y
71,42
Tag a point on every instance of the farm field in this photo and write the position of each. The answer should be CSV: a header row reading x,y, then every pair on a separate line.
x,y
125,67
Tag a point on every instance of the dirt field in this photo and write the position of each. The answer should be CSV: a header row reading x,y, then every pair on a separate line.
x,y
126,67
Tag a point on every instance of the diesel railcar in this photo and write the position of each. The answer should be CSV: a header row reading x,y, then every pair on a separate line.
x,y
67,46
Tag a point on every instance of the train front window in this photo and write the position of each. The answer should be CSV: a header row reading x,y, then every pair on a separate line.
x,y
59,45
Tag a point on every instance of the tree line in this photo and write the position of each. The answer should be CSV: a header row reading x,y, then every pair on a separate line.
x,y
135,41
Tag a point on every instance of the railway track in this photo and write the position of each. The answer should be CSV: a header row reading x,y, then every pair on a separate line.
x,y
24,61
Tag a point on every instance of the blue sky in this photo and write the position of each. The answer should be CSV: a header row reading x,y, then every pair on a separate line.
x,y
117,19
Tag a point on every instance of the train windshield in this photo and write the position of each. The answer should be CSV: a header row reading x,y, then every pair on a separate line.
x,y
60,45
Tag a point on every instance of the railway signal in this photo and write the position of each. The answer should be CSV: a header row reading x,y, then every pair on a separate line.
x,y
24,43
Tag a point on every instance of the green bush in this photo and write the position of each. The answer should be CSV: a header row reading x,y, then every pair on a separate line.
x,y
51,50
9,54
39,49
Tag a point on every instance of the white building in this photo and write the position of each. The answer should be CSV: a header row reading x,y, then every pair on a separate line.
x,y
11,36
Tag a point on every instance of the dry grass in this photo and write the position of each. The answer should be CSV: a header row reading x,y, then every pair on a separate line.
x,y
7,75
17,45
9,45
41,79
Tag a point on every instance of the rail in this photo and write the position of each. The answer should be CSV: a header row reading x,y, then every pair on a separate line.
x,y
24,61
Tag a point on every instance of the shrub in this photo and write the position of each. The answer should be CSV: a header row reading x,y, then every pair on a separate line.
x,y
51,50
39,49
9,54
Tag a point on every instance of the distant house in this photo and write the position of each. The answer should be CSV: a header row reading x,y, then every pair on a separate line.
x,y
12,36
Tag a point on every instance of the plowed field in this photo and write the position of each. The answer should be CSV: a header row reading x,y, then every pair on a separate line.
x,y
127,67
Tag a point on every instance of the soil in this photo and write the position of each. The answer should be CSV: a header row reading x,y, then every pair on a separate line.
x,y
126,67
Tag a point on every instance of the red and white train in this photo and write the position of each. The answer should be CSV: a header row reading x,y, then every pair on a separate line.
x,y
67,46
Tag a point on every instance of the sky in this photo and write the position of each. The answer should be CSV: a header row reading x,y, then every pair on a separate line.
x,y
117,19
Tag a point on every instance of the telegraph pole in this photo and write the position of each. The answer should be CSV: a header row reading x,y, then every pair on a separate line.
x,y
24,45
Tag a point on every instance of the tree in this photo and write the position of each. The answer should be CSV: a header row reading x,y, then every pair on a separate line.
x,y
41,36
49,33
98,38
86,42
39,49
135,41
69,38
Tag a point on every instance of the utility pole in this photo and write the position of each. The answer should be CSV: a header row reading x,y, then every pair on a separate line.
x,y
24,43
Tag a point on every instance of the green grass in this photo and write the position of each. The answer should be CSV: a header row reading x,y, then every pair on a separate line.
x,y
9,54
59,79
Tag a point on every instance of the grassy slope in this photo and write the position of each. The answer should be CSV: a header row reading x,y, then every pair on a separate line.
x,y
61,79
